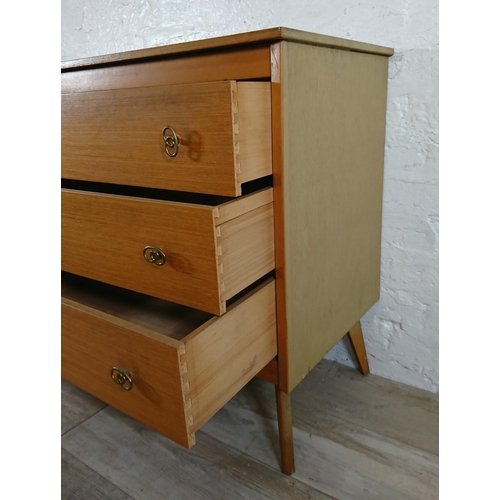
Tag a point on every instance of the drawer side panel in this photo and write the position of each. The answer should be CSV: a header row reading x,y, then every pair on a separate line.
x,y
334,108
252,132
229,352
246,248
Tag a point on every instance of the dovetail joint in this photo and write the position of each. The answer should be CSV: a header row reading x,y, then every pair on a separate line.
x,y
186,385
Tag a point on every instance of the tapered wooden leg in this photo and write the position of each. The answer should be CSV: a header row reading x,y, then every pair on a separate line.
x,y
355,335
284,407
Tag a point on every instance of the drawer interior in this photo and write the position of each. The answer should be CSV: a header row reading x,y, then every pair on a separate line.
x,y
167,318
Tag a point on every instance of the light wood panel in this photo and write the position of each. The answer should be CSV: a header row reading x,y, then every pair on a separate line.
x,y
225,132
234,208
246,249
229,351
333,106
205,264
252,130
239,64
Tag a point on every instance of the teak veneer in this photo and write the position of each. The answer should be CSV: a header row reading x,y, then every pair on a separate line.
x,y
252,252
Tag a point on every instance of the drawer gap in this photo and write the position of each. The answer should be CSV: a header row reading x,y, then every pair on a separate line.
x,y
164,194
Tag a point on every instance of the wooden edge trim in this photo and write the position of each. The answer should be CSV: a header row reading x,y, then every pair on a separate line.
x,y
239,206
270,35
279,211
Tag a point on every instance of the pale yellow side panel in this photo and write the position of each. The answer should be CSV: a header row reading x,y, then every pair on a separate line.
x,y
334,109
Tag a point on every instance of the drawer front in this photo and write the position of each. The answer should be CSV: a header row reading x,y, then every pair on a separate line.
x,y
104,238
116,136
92,343
176,385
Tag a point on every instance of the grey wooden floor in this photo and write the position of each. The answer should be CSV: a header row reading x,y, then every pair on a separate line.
x,y
355,438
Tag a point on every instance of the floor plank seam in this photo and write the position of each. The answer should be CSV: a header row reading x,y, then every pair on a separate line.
x,y
276,469
84,420
100,475
370,440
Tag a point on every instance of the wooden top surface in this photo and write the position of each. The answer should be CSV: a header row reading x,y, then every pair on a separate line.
x,y
252,37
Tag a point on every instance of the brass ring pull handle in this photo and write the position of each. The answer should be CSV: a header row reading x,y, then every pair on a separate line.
x,y
171,141
154,255
122,377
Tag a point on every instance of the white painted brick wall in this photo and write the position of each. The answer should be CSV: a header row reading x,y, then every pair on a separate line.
x,y
401,330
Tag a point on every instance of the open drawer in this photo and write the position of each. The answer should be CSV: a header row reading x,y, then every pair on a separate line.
x,y
167,366
198,254
218,136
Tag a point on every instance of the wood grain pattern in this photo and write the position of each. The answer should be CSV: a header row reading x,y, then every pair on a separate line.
x,y
229,351
252,130
93,342
120,228
234,208
237,64
246,249
205,265
110,136
334,106
241,39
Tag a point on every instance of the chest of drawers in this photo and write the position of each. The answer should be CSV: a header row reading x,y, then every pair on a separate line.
x,y
221,219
